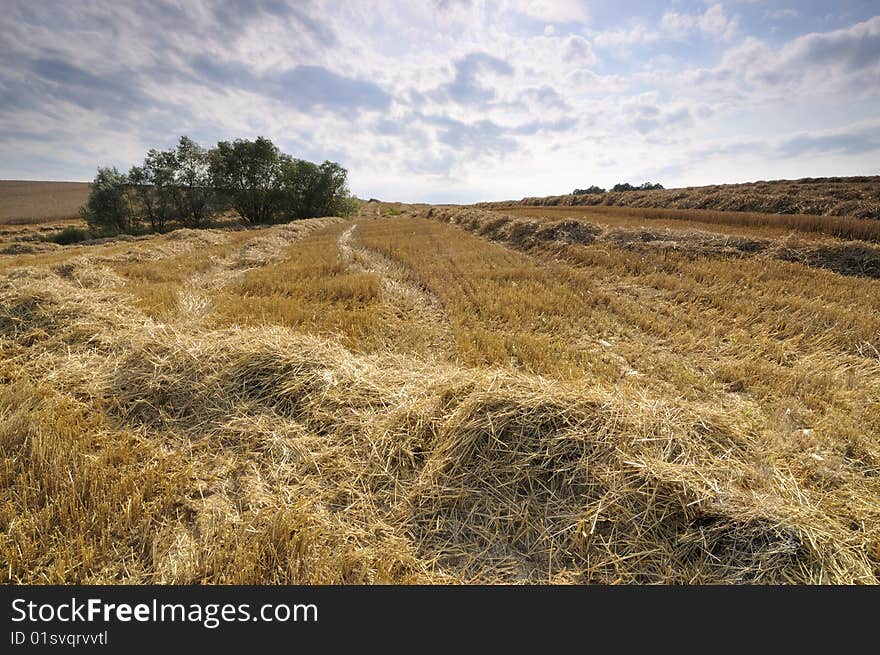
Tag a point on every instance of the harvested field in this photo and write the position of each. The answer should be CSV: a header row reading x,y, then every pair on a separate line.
x,y
24,202
440,395
525,228
857,197
735,223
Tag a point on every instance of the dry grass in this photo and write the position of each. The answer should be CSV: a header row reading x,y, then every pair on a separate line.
x,y
782,330
311,288
37,202
526,227
729,222
857,197
402,400
504,309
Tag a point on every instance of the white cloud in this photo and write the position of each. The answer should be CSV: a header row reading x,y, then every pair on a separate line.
x,y
468,98
713,22
551,11
578,50
622,38
716,22
677,25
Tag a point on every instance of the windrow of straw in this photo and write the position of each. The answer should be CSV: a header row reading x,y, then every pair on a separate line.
x,y
138,451
846,196
846,257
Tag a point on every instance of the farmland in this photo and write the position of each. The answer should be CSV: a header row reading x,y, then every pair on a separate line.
x,y
441,394
822,196
36,202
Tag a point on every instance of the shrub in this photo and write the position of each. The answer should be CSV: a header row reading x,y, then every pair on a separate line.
x,y
588,191
70,234
644,186
189,184
264,184
108,209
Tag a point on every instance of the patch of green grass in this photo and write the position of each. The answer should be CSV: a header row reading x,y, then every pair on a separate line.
x,y
70,234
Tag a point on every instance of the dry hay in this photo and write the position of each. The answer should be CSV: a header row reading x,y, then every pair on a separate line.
x,y
22,248
270,456
845,257
848,196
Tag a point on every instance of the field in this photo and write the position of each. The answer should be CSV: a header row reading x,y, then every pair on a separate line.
x,y
857,197
38,202
437,394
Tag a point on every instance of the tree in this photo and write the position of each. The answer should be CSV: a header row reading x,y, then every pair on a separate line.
x,y
333,191
160,173
192,180
250,174
310,190
142,196
107,209
644,186
300,180
589,191
187,184
262,183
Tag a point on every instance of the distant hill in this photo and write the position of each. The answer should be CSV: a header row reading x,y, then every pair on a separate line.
x,y
35,202
828,196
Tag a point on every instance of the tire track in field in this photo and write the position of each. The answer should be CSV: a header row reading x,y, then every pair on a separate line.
x,y
416,308
196,298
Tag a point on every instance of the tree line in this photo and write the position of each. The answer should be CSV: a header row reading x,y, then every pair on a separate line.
x,y
623,186
189,186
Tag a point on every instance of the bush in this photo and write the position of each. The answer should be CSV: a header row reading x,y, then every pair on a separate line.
x,y
188,185
70,234
644,186
108,211
589,191
264,184
345,205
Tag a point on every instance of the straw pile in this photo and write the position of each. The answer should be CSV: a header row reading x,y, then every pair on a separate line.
x,y
834,196
141,451
845,257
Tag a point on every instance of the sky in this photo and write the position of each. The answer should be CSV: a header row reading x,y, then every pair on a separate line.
x,y
450,100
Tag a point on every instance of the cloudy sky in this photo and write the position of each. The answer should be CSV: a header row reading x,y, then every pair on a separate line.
x,y
451,100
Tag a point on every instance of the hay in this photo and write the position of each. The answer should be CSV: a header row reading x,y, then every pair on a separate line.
x,y
845,257
264,455
23,248
853,196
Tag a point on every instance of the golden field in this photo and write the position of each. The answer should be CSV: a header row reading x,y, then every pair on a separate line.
x,y
857,197
425,394
23,202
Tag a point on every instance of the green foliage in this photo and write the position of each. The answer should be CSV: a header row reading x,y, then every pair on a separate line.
x,y
187,185
70,234
108,211
588,191
644,186
250,174
192,180
154,187
311,190
263,184
347,205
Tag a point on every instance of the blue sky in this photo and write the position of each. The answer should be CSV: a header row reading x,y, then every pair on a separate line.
x,y
451,100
